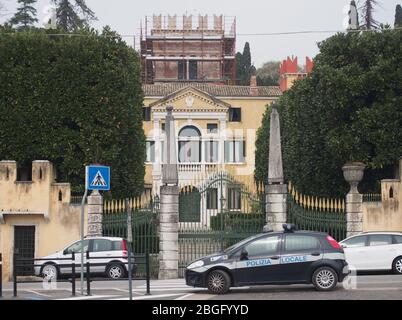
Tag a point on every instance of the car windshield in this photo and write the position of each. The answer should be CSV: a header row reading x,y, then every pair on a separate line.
x,y
239,244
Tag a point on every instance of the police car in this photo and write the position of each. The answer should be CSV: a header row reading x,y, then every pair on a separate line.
x,y
288,257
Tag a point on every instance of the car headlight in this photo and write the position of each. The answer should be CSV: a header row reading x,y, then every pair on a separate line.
x,y
196,264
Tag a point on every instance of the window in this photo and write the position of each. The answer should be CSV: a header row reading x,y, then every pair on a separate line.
x,y
193,70
76,247
212,199
398,239
359,241
211,151
263,247
163,127
102,245
189,144
182,72
301,243
212,128
380,239
146,113
235,151
150,145
162,156
234,199
117,245
235,114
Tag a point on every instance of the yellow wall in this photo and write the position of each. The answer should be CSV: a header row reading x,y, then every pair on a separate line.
x,y
62,226
387,214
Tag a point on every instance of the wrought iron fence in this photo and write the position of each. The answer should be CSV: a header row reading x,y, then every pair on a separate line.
x,y
317,214
372,197
144,213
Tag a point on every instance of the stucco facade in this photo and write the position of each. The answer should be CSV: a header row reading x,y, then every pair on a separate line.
x,y
387,214
228,116
40,203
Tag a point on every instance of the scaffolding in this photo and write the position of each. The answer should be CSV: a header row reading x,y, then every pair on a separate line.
x,y
188,48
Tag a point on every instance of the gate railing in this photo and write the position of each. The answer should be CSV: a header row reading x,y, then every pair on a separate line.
x,y
144,213
317,214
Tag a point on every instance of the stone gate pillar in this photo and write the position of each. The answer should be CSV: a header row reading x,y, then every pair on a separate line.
x,y
95,211
169,206
353,173
276,190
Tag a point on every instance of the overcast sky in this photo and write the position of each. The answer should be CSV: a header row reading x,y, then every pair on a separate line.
x,y
262,16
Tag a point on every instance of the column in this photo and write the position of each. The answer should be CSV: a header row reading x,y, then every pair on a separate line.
x,y
95,210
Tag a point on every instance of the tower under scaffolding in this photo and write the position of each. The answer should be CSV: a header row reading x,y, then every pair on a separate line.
x,y
188,48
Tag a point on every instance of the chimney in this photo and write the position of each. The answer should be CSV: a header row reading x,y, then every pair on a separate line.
x,y
253,86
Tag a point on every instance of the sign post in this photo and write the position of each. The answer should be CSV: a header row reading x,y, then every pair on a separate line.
x,y
96,178
130,243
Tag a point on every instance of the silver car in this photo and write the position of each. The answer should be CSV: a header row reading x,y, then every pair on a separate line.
x,y
111,252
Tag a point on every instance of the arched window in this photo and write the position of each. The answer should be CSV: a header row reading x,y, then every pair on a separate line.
x,y
391,193
60,196
40,174
7,173
189,144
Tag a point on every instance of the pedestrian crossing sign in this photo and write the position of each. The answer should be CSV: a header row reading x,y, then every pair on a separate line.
x,y
97,177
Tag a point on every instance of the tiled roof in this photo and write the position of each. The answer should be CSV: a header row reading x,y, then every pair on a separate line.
x,y
164,89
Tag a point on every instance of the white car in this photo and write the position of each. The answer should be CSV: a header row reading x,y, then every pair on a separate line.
x,y
374,251
114,263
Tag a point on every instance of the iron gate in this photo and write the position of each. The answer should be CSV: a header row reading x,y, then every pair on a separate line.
x,y
317,214
215,214
24,248
144,223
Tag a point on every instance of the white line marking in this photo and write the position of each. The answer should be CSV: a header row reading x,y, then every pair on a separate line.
x,y
151,296
87,297
38,293
185,296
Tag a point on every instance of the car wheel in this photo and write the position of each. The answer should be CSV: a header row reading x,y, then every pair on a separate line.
x,y
115,271
397,265
325,279
50,272
218,282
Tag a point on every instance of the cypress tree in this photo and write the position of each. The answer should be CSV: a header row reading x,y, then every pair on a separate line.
x,y
367,13
25,15
398,16
73,15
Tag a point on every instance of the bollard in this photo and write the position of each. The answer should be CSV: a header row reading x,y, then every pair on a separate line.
x,y
73,274
14,275
1,276
88,276
147,271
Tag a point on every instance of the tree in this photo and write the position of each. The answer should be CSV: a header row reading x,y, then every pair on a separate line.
x,y
268,74
348,109
367,10
25,15
72,15
244,67
73,101
398,16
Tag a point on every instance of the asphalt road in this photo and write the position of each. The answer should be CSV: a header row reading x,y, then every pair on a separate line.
x,y
377,287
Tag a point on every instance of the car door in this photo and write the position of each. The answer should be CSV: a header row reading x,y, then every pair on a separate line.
x,y
355,249
257,262
380,252
76,248
299,251
101,253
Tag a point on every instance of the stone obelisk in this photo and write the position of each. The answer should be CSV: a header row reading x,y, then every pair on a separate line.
x,y
169,206
276,190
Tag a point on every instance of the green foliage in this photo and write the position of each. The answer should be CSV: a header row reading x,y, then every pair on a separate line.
x,y
268,74
72,15
73,101
398,16
25,15
348,109
244,68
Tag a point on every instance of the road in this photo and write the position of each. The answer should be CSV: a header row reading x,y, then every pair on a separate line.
x,y
377,287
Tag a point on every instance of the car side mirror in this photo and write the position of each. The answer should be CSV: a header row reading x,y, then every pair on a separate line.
x,y
343,245
65,252
244,255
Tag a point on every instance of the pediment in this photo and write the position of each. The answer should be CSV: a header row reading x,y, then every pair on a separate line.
x,y
190,99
